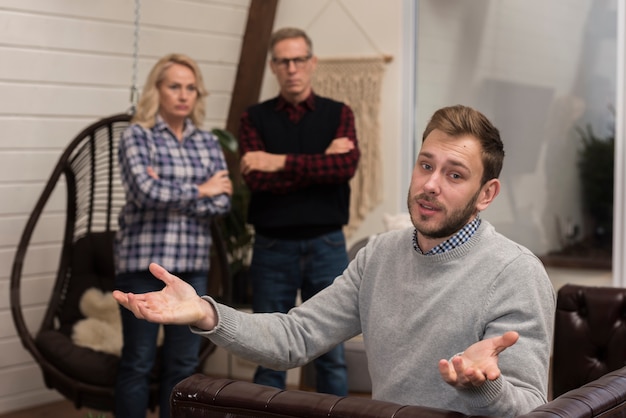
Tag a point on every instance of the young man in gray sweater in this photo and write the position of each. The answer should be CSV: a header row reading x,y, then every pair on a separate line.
x,y
437,304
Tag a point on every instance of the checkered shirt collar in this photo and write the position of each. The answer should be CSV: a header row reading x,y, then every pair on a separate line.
x,y
451,243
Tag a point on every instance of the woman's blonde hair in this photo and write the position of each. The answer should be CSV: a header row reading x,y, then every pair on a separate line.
x,y
148,105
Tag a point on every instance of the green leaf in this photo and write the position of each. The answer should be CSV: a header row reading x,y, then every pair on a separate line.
x,y
227,140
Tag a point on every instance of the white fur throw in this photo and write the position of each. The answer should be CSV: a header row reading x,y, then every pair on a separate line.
x,y
101,330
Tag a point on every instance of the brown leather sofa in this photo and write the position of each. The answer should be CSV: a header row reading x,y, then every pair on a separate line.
x,y
588,375
204,396
589,335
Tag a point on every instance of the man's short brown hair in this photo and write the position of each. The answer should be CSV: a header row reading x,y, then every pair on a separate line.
x,y
462,120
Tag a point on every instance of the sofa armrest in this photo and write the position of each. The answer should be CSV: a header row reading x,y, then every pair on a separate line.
x,y
205,396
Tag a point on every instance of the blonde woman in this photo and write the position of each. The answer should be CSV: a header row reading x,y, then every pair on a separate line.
x,y
175,179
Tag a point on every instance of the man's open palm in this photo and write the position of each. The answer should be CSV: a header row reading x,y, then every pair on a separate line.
x,y
176,303
478,363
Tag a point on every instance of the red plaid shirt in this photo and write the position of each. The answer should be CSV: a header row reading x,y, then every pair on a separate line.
x,y
301,170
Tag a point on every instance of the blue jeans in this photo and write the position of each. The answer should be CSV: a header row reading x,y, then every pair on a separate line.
x,y
179,353
278,270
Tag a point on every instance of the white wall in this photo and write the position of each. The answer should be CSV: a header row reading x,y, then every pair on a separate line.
x,y
67,63
63,65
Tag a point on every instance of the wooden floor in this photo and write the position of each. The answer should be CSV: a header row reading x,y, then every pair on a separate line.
x,y
64,409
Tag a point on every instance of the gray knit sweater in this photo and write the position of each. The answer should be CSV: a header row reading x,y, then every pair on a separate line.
x,y
414,310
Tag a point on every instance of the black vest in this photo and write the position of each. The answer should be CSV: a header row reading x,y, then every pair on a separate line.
x,y
310,211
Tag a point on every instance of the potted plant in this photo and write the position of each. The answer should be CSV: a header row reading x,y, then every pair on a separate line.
x,y
235,231
596,170
590,245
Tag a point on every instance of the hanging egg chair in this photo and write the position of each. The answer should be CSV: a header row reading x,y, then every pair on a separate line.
x,y
94,196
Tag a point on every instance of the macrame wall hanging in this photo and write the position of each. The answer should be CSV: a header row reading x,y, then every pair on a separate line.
x,y
357,82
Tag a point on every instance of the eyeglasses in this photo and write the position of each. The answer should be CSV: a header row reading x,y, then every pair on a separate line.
x,y
297,61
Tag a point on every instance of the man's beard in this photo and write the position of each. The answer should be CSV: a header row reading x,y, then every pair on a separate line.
x,y
451,224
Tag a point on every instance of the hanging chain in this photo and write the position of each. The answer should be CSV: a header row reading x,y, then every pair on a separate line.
x,y
134,93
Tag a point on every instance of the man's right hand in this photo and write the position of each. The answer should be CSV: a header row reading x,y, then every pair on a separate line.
x,y
262,161
176,303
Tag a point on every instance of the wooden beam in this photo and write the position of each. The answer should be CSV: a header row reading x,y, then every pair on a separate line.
x,y
246,92
252,60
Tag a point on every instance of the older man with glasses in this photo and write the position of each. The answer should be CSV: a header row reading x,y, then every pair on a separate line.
x,y
299,151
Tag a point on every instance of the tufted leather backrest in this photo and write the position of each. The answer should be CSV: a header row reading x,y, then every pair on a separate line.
x,y
589,335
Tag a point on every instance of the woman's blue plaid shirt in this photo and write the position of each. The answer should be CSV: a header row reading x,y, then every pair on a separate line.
x,y
164,220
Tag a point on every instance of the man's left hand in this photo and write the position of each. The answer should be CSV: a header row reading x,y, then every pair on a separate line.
x,y
478,363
